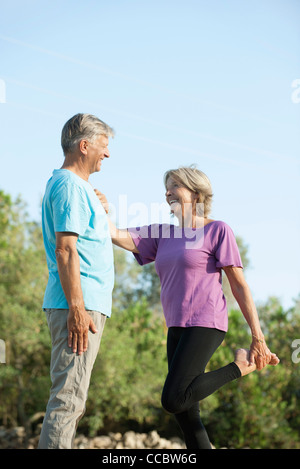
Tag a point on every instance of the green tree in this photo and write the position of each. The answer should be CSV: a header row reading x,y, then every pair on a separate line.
x,y
23,275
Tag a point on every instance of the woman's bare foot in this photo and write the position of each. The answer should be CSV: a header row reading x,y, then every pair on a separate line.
x,y
241,359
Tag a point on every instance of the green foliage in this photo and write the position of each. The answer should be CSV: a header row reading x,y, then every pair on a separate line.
x,y
23,274
129,373
259,411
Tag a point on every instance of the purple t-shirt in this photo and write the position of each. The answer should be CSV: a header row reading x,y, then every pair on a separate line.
x,y
188,262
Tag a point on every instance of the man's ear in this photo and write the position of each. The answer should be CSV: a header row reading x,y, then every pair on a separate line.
x,y
83,146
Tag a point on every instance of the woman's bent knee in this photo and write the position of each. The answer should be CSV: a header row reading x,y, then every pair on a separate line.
x,y
170,404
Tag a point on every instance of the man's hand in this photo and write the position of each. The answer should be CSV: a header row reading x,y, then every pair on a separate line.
x,y
79,323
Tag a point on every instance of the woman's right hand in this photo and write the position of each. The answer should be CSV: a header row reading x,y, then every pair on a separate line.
x,y
121,238
102,199
261,354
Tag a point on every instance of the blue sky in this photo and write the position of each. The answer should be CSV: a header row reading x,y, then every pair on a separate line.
x,y
196,82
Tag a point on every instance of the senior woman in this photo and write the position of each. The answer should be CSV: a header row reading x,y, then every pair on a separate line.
x,y
189,259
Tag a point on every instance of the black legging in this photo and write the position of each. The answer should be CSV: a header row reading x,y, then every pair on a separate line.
x,y
189,350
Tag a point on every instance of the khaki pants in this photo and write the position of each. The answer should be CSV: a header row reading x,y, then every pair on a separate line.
x,y
70,375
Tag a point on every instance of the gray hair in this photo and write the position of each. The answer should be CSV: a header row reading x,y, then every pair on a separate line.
x,y
83,126
196,181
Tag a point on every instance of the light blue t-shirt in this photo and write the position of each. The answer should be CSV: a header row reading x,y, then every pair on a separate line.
x,y
71,205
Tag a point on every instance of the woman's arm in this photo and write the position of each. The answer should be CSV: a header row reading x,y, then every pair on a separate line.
x,y
121,238
259,352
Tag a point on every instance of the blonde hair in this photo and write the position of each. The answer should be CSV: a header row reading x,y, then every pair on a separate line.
x,y
196,181
80,127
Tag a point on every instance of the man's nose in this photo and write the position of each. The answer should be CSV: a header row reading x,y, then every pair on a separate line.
x,y
106,154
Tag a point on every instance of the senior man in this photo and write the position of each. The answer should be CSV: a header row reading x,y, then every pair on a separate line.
x,y
79,255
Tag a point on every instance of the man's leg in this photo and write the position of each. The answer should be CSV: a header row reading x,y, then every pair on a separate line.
x,y
70,376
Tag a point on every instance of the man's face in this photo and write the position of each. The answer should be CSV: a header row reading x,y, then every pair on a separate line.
x,y
96,152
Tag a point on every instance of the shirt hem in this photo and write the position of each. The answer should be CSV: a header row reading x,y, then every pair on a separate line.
x,y
97,309
209,326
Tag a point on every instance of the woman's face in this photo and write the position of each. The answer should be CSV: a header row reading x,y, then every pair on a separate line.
x,y
180,199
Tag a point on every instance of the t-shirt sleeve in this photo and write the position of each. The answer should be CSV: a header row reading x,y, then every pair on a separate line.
x,y
146,240
71,211
227,251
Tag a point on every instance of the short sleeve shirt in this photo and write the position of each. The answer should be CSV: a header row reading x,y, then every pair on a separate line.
x,y
189,262
71,205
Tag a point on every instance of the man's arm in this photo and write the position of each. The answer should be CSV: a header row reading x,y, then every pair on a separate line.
x,y
79,321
